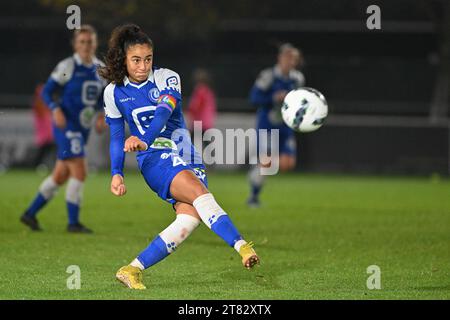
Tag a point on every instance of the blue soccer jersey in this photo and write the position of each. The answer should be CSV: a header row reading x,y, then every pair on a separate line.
x,y
270,81
136,105
79,88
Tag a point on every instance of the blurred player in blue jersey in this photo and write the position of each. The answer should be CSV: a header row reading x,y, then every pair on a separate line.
x,y
148,100
267,95
74,94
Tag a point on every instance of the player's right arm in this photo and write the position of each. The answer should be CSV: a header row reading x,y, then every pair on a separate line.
x,y
59,77
260,94
117,139
117,155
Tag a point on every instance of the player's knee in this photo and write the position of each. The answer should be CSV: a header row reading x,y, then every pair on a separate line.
x,y
184,208
83,171
79,173
287,163
60,178
196,187
82,176
286,167
60,175
77,169
198,190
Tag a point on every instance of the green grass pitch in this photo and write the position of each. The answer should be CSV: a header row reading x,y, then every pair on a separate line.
x,y
316,236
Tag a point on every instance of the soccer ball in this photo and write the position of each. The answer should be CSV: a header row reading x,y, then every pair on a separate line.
x,y
304,109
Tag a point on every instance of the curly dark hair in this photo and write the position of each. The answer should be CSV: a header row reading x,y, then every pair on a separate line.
x,y
122,37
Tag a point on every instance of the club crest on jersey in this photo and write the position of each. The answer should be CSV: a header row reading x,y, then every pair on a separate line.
x,y
153,94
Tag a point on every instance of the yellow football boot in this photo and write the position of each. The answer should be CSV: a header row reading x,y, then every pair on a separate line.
x,y
249,256
131,277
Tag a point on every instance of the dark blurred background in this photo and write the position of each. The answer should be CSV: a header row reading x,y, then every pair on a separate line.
x,y
388,90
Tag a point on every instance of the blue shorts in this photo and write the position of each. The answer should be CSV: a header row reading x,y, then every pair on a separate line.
x,y
70,142
160,166
286,143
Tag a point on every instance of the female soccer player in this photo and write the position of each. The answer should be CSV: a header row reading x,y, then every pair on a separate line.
x,y
148,99
267,94
80,88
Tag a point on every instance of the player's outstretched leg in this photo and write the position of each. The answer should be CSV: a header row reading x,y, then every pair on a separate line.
x,y
163,245
220,223
47,190
186,187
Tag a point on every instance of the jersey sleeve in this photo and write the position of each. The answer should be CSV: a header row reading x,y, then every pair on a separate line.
x,y
58,78
260,94
264,80
50,87
169,85
63,71
111,109
116,124
116,145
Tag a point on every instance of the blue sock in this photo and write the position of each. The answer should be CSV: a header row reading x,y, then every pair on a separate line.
x,y
225,229
256,181
255,191
73,211
38,203
154,253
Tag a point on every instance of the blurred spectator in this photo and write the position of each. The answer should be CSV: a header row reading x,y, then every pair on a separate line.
x,y
202,105
42,126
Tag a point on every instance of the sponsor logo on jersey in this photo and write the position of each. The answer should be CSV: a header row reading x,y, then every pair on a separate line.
x,y
86,116
127,99
163,143
172,81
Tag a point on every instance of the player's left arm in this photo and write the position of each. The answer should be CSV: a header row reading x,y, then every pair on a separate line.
x,y
56,82
169,99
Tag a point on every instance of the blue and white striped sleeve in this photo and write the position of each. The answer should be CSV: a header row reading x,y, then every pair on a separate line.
x,y
58,78
116,131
